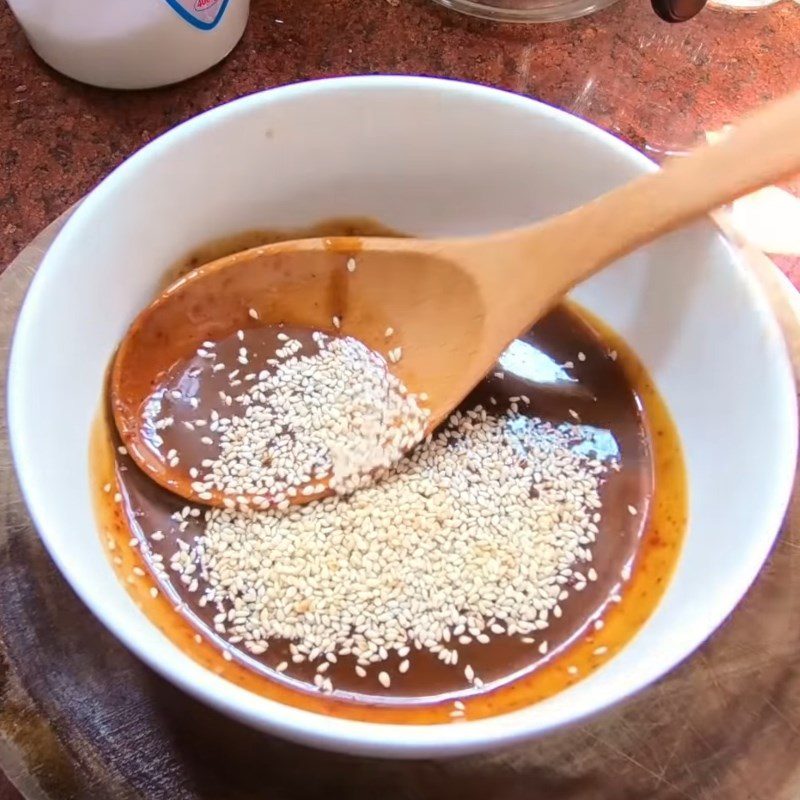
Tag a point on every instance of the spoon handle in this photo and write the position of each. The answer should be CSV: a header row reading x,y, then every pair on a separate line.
x,y
762,149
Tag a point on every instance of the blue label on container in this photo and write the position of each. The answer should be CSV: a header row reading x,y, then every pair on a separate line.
x,y
203,14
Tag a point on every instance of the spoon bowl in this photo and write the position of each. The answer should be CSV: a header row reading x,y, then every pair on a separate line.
x,y
306,284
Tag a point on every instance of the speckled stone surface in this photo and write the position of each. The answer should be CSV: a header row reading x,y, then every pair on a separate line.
x,y
658,86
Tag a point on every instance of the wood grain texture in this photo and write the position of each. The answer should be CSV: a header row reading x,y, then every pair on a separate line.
x,y
80,717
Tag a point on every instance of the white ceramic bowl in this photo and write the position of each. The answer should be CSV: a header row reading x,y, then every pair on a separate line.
x,y
429,157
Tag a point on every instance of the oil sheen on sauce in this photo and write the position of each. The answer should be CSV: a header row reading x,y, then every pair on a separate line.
x,y
568,364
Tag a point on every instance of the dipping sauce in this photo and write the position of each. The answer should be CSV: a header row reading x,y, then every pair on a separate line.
x,y
565,375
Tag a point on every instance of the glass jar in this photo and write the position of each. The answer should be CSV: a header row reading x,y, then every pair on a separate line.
x,y
558,10
526,10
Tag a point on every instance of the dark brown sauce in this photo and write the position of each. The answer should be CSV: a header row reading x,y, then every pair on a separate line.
x,y
195,378
633,556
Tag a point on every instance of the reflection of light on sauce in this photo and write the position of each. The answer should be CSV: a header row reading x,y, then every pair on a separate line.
x,y
151,411
528,362
189,385
627,568
597,442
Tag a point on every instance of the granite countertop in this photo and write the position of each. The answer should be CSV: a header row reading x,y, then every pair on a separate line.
x,y
660,87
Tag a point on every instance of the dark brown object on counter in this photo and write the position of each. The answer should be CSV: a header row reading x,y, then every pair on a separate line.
x,y
677,10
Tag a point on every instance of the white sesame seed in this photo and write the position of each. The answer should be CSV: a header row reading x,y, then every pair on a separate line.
x,y
395,354
384,679
351,265
252,313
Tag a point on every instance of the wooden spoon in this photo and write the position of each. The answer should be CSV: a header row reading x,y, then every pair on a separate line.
x,y
454,304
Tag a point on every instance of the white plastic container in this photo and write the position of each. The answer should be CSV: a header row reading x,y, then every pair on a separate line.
x,y
132,44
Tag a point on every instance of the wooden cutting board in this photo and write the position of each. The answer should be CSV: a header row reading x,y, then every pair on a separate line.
x,y
80,717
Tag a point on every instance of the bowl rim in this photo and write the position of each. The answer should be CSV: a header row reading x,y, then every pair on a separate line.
x,y
363,737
